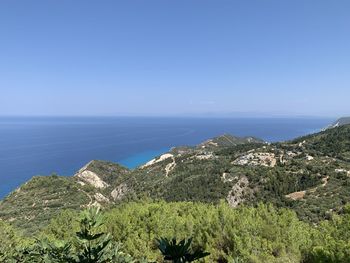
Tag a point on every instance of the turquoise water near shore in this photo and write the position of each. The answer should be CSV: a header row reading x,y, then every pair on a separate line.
x,y
45,145
141,158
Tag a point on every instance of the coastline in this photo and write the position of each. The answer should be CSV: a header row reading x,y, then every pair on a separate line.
x,y
64,145
139,159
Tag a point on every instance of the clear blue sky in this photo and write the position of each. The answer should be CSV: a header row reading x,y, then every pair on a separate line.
x,y
183,57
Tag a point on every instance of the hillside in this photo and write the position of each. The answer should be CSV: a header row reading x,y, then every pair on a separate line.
x,y
309,174
340,122
300,174
34,203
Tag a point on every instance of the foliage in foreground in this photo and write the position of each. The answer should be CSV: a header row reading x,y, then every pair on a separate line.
x,y
90,245
246,234
179,252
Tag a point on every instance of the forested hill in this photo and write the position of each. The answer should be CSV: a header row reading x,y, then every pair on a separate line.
x,y
309,175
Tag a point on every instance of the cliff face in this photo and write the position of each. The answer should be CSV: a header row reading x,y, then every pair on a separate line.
x,y
312,171
100,174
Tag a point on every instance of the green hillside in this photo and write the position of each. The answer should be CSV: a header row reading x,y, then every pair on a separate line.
x,y
309,175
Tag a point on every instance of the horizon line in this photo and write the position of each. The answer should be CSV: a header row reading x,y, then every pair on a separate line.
x,y
200,116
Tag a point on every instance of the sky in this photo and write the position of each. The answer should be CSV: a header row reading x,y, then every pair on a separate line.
x,y
175,58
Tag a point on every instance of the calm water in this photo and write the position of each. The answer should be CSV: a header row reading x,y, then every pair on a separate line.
x,y
41,146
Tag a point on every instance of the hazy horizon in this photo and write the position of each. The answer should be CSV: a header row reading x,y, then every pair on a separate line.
x,y
228,115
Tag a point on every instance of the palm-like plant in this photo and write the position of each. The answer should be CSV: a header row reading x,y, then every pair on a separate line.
x,y
92,242
179,252
96,246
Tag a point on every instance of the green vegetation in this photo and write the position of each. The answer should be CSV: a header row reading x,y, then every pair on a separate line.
x,y
179,252
90,245
332,142
39,200
245,234
208,173
239,199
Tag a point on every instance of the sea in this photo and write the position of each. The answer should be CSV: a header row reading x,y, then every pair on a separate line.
x,y
32,146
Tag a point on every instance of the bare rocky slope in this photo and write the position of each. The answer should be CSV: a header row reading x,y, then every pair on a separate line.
x,y
310,175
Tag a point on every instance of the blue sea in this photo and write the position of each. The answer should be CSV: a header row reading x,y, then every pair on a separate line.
x,y
41,145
